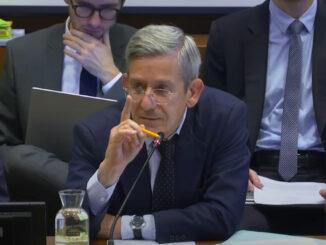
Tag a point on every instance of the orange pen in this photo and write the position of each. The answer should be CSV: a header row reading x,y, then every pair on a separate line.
x,y
150,133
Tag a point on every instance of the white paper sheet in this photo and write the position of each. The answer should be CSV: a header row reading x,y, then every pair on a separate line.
x,y
288,193
140,242
244,237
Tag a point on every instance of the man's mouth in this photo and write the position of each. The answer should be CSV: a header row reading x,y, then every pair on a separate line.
x,y
149,118
93,32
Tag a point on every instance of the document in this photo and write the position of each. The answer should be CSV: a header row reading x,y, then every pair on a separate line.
x,y
142,242
244,237
288,193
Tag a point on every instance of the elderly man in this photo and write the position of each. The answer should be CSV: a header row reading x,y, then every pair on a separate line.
x,y
272,56
194,186
85,55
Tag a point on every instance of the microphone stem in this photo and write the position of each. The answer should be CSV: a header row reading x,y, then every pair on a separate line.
x,y
116,217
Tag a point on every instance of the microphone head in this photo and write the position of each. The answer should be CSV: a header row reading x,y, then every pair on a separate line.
x,y
158,141
161,134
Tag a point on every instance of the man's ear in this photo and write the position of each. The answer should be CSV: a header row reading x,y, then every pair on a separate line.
x,y
194,91
125,78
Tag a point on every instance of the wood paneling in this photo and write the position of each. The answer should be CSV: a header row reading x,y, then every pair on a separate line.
x,y
190,23
2,57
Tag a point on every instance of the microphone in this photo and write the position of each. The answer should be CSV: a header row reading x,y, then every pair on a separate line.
x,y
156,143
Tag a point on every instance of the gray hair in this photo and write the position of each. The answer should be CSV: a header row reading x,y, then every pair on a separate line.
x,y
157,40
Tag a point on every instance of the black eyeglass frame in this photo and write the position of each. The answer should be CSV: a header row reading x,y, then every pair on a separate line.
x,y
93,9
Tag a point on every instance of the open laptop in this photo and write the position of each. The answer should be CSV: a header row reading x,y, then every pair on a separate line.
x,y
52,116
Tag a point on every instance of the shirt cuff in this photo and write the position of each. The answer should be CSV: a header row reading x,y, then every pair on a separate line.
x,y
111,83
98,195
148,232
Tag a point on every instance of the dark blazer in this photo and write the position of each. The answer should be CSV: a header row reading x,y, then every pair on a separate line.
x,y
36,60
211,170
236,61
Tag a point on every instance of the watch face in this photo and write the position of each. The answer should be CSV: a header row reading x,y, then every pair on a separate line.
x,y
137,222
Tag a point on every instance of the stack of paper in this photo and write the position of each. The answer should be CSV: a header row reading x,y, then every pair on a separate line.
x,y
140,242
264,238
288,193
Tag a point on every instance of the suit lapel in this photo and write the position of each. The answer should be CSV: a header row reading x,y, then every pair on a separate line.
x,y
117,47
53,63
318,67
256,56
190,151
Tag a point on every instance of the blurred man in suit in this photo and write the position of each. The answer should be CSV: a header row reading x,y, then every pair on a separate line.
x,y
195,184
272,56
84,55
4,196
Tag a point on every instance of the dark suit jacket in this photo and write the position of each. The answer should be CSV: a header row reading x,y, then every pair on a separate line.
x,y
236,61
211,170
37,60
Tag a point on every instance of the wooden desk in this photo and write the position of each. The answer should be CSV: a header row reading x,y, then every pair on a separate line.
x,y
2,56
50,241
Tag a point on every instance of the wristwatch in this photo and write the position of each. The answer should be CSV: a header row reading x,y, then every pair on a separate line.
x,y
136,224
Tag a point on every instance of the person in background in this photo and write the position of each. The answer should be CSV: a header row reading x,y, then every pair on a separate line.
x,y
272,57
84,55
195,184
4,195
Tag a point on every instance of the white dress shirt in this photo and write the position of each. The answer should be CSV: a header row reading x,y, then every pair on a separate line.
x,y
278,52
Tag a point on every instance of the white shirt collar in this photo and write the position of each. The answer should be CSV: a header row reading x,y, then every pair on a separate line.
x,y
283,20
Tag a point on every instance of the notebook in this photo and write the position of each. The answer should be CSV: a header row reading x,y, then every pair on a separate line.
x,y
53,115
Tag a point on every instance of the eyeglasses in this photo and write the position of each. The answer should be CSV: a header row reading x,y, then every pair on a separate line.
x,y
161,96
86,10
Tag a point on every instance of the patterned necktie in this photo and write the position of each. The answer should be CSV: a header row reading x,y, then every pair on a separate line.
x,y
88,83
163,193
289,137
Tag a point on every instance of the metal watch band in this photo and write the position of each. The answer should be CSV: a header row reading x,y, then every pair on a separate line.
x,y
137,234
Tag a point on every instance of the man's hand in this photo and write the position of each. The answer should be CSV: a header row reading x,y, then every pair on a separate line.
x,y
106,226
253,181
126,140
322,192
94,55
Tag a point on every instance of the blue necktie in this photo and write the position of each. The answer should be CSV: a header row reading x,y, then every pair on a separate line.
x,y
88,83
289,137
163,194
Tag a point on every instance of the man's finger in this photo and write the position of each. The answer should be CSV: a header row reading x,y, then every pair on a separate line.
x,y
106,40
322,192
75,46
125,114
72,54
254,178
82,36
250,186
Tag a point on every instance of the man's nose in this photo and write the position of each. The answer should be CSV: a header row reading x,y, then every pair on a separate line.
x,y
148,101
95,19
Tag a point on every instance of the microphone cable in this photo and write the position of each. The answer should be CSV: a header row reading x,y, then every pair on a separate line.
x,y
156,143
